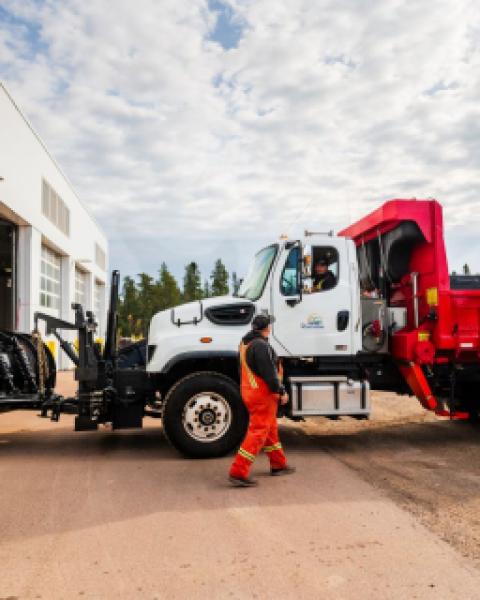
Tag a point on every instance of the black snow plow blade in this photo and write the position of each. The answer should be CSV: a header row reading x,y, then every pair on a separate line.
x,y
27,371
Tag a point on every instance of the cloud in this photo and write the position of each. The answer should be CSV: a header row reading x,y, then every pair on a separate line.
x,y
209,128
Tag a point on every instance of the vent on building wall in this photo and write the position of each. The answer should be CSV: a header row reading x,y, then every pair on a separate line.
x,y
55,209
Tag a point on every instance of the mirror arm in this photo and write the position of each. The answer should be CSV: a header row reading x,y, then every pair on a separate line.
x,y
300,272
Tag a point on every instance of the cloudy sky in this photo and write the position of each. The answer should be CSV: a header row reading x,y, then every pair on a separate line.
x,y
194,129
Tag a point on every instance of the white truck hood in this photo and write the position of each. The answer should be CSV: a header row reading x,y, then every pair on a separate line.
x,y
194,311
180,331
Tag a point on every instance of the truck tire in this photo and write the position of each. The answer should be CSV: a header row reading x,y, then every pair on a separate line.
x,y
204,416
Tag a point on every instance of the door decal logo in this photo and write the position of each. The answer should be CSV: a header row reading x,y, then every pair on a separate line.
x,y
314,321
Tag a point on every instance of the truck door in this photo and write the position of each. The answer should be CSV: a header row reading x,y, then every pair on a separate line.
x,y
319,321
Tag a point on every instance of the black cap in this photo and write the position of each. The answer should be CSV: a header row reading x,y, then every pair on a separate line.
x,y
260,322
323,262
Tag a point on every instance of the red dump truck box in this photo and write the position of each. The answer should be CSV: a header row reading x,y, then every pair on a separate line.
x,y
447,323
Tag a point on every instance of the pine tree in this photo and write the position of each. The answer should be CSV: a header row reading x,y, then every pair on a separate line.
x,y
236,283
146,301
167,292
219,279
192,286
466,269
128,308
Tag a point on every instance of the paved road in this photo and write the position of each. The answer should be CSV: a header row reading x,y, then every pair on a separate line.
x,y
121,515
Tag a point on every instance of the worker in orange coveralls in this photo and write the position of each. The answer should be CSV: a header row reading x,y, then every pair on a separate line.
x,y
262,390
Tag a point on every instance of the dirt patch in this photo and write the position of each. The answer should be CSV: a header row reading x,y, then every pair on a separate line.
x,y
429,466
66,384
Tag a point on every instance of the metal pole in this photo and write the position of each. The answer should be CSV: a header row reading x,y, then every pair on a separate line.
x,y
110,351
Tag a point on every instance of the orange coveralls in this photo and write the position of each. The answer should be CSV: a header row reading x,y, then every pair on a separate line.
x,y
262,431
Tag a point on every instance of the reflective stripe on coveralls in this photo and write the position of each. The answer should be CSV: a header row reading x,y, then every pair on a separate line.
x,y
262,431
273,448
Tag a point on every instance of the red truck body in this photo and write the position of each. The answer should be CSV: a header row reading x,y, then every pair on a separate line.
x,y
443,325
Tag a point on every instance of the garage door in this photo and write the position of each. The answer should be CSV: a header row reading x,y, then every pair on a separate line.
x,y
50,281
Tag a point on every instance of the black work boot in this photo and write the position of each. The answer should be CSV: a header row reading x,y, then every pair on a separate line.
x,y
286,470
242,482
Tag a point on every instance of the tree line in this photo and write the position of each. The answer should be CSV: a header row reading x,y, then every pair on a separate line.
x,y
144,296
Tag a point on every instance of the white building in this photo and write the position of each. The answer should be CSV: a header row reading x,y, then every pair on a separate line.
x,y
52,252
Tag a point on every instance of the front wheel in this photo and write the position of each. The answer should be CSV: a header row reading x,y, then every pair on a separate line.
x,y
204,416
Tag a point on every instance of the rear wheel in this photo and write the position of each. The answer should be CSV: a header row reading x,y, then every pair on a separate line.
x,y
204,415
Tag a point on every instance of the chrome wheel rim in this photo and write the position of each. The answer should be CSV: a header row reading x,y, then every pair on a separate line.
x,y
207,417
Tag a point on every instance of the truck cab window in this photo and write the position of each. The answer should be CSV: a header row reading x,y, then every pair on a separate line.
x,y
289,278
324,268
254,283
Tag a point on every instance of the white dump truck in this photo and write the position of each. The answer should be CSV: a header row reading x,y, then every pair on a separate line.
x,y
193,348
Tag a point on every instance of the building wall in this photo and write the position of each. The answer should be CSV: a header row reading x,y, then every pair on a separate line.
x,y
24,165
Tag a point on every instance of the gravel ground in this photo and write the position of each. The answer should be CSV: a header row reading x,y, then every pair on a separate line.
x,y
427,465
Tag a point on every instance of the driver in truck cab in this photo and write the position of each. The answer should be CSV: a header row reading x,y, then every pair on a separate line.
x,y
323,279
262,390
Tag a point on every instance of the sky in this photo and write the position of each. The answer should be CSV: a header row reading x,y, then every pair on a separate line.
x,y
197,129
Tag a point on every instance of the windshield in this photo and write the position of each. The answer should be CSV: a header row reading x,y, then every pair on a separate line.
x,y
253,284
